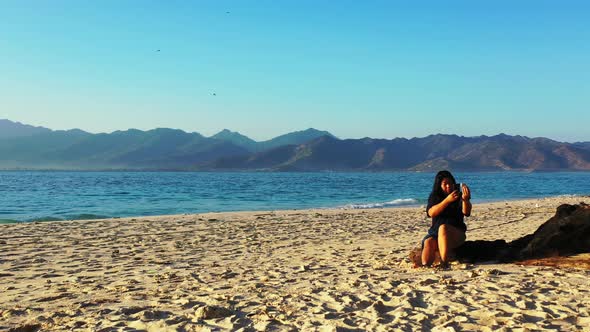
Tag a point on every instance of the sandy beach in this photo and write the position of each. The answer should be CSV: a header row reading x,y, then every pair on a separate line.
x,y
310,270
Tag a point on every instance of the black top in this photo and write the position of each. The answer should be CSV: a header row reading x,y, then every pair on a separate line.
x,y
451,215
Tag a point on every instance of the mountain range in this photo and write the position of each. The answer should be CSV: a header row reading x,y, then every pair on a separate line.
x,y
27,147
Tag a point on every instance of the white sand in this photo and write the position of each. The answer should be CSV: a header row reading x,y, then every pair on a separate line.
x,y
321,270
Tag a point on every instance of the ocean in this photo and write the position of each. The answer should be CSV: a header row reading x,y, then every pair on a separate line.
x,y
47,195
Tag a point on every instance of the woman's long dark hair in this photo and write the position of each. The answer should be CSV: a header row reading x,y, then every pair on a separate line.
x,y
436,189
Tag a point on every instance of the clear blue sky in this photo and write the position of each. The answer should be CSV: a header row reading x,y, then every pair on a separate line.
x,y
380,69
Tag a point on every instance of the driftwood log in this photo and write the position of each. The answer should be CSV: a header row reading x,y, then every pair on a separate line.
x,y
566,233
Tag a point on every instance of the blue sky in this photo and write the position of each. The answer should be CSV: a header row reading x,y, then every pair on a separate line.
x,y
379,69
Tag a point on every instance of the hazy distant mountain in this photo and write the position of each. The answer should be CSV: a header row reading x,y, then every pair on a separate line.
x,y
32,151
297,137
435,152
294,138
132,149
10,129
583,145
309,150
155,149
237,139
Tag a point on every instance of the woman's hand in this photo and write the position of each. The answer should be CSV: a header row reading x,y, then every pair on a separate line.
x,y
466,193
466,206
452,196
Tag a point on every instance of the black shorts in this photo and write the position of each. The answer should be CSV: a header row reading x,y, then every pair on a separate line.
x,y
432,232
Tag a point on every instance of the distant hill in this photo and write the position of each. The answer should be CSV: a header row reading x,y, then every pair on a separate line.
x,y
308,150
158,149
237,139
9,129
435,152
28,147
583,145
298,137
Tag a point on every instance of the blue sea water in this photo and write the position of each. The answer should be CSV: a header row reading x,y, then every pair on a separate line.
x,y
33,196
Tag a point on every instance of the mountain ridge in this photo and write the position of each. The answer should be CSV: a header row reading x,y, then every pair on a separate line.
x,y
9,129
306,150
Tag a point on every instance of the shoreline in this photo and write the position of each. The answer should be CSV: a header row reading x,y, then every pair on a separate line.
x,y
317,270
337,208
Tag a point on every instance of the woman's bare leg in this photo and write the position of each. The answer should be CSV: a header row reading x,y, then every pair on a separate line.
x,y
429,251
449,238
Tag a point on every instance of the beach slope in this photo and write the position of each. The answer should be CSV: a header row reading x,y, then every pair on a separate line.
x,y
323,270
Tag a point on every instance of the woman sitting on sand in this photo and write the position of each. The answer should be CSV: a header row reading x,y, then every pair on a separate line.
x,y
447,211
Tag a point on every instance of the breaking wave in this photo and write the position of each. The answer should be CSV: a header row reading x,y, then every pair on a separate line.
x,y
395,202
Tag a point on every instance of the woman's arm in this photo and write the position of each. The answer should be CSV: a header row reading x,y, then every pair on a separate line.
x,y
435,210
466,206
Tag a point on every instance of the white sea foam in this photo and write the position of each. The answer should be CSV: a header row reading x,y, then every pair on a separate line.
x,y
395,202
